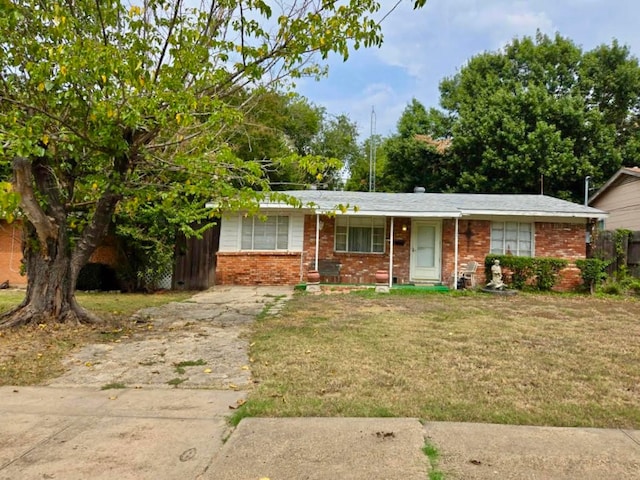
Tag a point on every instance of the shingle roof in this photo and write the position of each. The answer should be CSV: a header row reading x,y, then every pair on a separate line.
x,y
439,204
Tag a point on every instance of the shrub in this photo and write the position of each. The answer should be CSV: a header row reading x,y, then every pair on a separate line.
x,y
539,273
592,271
546,270
612,288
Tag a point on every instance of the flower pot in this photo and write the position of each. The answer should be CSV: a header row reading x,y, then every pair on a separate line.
x,y
313,276
382,276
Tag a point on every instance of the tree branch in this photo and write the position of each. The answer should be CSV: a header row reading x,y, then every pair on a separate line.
x,y
45,227
176,10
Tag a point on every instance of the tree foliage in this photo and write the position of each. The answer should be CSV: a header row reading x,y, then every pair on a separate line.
x,y
418,154
538,114
112,109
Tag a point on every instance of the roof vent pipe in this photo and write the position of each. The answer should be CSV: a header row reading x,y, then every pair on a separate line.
x,y
419,190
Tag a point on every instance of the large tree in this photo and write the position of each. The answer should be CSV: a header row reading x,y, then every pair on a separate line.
x,y
418,154
285,130
542,114
108,106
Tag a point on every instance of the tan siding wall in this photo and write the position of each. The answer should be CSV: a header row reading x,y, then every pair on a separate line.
x,y
623,204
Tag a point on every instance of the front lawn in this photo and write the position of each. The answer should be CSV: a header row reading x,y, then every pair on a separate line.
x,y
533,359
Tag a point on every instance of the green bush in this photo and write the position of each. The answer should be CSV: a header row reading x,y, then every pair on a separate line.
x,y
634,286
592,271
612,288
537,272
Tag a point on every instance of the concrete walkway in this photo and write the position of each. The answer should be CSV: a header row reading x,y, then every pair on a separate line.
x,y
73,430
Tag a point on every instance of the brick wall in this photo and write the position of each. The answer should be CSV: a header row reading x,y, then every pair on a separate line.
x,y
11,253
359,267
258,268
557,240
473,245
563,240
251,268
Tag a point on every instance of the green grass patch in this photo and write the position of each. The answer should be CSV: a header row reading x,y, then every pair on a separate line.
x,y
433,455
176,381
114,385
180,366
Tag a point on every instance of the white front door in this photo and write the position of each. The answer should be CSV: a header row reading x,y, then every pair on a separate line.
x,y
425,250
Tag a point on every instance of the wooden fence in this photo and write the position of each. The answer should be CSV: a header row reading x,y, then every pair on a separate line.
x,y
604,247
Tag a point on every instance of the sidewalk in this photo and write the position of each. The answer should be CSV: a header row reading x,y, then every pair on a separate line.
x,y
72,429
81,433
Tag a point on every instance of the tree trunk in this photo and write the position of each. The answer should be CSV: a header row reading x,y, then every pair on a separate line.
x,y
50,284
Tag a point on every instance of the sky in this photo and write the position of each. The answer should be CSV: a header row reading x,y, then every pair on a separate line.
x,y
425,46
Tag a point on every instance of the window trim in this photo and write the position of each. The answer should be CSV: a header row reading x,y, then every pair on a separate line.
x,y
348,226
504,223
255,219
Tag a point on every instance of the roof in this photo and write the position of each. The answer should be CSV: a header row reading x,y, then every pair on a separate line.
x,y
624,171
443,205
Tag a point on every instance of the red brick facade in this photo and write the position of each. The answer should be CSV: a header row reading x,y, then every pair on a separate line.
x,y
258,268
360,267
11,253
559,240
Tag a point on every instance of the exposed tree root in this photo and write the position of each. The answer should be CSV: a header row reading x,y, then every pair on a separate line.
x,y
26,315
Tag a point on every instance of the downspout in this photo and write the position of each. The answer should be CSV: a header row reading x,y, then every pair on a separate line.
x,y
391,255
317,238
455,258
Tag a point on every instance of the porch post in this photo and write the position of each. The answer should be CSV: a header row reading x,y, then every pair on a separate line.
x,y
391,255
317,238
455,258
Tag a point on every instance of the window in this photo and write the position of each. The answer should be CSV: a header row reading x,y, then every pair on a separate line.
x,y
360,234
512,238
271,234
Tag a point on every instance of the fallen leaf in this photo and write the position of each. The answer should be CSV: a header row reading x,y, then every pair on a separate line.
x,y
113,398
88,364
207,370
252,344
233,386
245,367
308,351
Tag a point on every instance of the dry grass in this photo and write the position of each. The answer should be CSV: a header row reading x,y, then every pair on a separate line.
x,y
31,355
529,359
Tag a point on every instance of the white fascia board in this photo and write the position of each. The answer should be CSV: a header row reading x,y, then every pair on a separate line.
x,y
505,213
386,213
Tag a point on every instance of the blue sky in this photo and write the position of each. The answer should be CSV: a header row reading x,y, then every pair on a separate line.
x,y
423,47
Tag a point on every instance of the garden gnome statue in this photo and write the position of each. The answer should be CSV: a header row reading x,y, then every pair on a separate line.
x,y
496,276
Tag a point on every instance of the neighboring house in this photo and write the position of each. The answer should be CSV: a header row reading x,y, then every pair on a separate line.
x,y
417,237
620,197
11,254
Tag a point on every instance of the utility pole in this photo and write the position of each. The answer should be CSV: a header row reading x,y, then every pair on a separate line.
x,y
372,153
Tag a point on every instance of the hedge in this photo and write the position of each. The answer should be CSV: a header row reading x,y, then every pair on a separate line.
x,y
540,273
